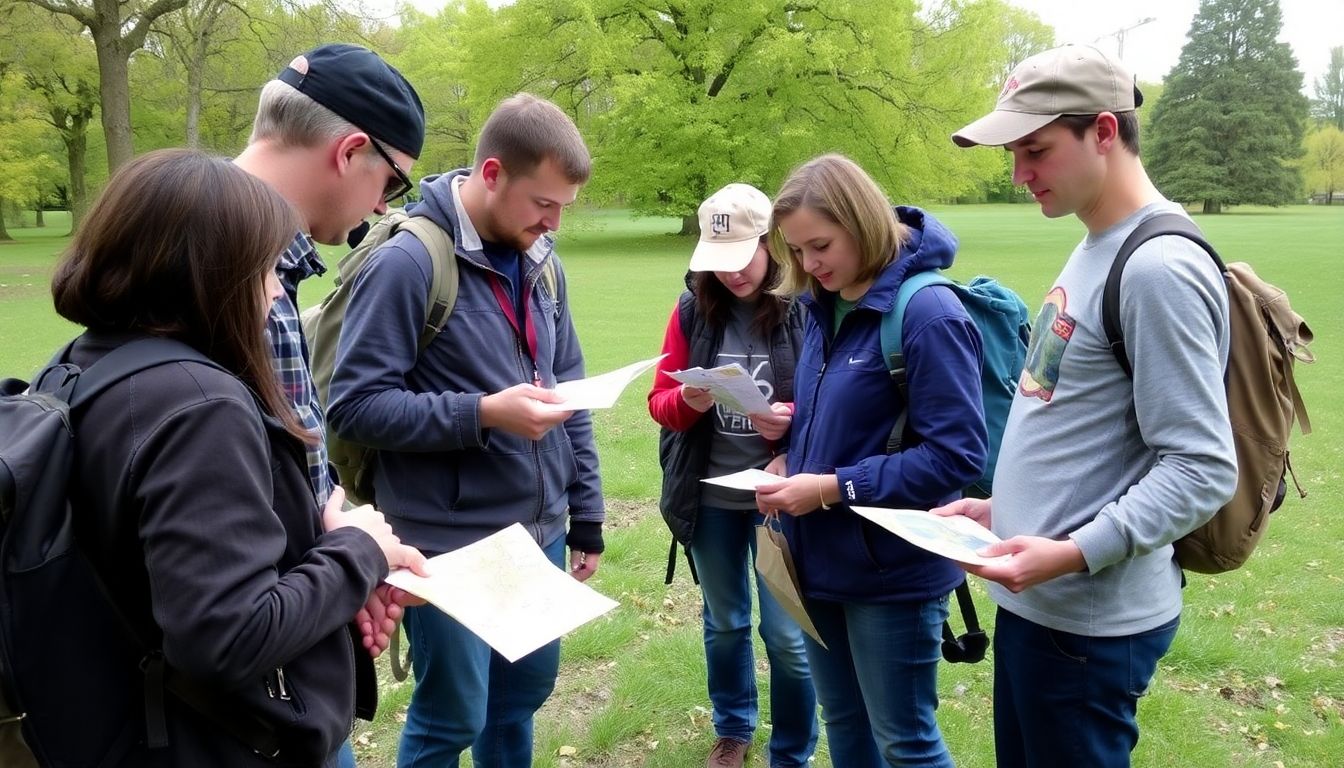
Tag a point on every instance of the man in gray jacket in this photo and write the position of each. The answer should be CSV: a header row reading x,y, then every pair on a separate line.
x,y
1097,474
465,444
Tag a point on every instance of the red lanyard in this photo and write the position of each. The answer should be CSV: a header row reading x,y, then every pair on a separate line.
x,y
528,330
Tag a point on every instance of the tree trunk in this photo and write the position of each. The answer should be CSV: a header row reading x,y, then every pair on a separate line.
x,y
37,209
194,107
114,88
690,225
1213,206
76,140
4,233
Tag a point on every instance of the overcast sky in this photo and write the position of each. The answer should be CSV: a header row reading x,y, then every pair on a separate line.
x,y
1312,27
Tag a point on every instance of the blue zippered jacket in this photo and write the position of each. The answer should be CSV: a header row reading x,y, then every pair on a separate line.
x,y
442,479
846,405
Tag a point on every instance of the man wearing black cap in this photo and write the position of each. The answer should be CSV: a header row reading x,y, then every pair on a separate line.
x,y
1099,472
336,134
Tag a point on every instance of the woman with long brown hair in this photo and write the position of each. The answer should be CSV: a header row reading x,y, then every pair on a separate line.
x,y
728,315
190,493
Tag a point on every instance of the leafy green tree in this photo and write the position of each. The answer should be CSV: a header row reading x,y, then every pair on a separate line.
x,y
29,170
1324,161
1229,126
679,97
56,62
1328,106
118,28
433,53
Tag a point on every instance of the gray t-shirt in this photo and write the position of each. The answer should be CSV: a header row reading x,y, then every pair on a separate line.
x,y
736,445
1122,467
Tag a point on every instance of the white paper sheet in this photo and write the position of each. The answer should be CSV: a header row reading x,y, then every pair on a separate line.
x,y
599,391
731,385
746,480
505,590
956,537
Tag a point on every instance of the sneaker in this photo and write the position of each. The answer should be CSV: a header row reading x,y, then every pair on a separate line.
x,y
728,753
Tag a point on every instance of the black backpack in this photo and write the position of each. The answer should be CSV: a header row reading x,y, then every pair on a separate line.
x,y
68,654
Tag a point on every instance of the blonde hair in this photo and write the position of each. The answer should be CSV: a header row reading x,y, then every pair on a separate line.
x,y
292,119
840,191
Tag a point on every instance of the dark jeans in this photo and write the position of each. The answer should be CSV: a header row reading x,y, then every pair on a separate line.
x,y
1070,700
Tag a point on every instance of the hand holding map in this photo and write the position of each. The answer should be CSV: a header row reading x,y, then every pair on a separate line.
x,y
599,391
955,537
732,387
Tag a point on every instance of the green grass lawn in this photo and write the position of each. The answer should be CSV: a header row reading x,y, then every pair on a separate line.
x,y
1255,678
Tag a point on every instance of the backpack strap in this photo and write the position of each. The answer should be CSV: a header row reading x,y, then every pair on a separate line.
x,y
443,275
129,359
1158,226
890,335
893,323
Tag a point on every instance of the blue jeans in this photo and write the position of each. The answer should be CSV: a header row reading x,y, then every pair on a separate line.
x,y
878,682
724,549
468,696
345,756
1044,677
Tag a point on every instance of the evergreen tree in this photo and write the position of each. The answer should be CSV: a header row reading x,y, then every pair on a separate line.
x,y
1228,129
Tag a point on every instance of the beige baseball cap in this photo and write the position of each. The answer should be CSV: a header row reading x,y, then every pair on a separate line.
x,y
1069,80
732,222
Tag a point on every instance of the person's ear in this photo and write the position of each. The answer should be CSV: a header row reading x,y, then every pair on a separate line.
x,y
344,150
492,173
1107,128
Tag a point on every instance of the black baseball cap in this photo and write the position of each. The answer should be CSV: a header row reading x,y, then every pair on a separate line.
x,y
358,85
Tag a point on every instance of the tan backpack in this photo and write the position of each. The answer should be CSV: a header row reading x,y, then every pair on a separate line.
x,y
1267,338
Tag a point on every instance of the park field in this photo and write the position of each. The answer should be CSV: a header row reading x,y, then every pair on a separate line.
x,y
1256,675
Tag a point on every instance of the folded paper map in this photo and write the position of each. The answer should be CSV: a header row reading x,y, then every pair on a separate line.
x,y
505,590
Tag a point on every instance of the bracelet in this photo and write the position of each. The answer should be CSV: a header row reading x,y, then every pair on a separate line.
x,y
820,497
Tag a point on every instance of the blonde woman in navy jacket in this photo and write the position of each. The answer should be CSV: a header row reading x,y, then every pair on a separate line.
x,y
878,602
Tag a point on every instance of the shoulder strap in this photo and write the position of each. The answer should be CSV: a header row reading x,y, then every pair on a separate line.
x,y
890,332
131,358
1157,226
550,276
443,277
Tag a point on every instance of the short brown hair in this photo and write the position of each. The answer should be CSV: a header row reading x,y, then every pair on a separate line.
x,y
525,130
1127,127
178,245
840,191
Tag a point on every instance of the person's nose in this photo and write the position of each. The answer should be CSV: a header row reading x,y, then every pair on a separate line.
x,y
1021,174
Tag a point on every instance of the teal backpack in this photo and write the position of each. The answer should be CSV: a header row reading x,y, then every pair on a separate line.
x,y
1004,330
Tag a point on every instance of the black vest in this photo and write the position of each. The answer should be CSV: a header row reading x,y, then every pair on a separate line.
x,y
685,455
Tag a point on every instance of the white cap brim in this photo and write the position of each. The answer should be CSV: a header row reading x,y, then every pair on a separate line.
x,y
718,256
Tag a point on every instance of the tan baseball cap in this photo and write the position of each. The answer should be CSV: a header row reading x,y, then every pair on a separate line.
x,y
1069,80
732,222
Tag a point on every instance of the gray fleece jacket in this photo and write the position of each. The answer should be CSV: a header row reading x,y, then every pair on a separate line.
x,y
442,479
1122,467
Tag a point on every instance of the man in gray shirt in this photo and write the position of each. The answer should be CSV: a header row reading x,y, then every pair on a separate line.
x,y
1098,474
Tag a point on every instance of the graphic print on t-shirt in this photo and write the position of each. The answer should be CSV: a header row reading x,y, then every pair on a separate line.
x,y
1050,335
729,422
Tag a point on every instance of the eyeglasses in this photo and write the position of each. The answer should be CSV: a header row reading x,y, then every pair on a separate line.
x,y
397,187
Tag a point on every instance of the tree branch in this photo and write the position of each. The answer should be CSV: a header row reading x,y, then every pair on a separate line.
x,y
135,37
67,8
